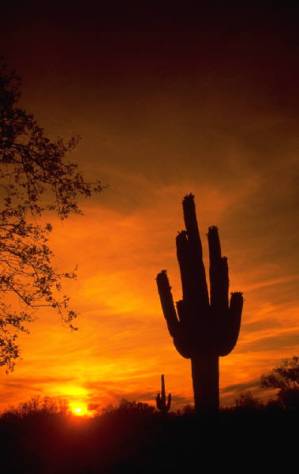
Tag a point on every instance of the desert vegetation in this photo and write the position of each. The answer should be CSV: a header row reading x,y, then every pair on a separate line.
x,y
43,437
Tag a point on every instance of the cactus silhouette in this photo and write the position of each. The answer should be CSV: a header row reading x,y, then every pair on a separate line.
x,y
163,403
203,328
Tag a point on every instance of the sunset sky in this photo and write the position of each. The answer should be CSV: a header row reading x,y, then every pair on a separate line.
x,y
166,103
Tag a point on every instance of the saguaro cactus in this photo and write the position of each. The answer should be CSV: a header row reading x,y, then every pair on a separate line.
x,y
203,328
163,403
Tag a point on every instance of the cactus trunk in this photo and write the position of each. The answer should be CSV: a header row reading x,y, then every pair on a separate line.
x,y
205,378
162,402
203,326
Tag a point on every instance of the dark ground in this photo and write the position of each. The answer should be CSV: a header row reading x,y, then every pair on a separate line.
x,y
133,438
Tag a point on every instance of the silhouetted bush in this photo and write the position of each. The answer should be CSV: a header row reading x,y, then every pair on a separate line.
x,y
247,402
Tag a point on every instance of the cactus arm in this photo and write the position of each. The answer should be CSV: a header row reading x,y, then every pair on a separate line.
x,y
224,282
191,223
163,393
167,303
197,273
219,282
235,312
180,309
174,326
185,264
231,328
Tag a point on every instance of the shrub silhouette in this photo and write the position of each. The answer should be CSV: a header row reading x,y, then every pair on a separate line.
x,y
248,402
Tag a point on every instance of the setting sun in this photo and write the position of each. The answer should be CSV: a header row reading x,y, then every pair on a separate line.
x,y
79,408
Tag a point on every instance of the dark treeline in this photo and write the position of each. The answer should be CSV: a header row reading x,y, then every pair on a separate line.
x,y
135,438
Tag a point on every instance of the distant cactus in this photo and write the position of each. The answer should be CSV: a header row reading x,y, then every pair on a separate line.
x,y
202,328
163,403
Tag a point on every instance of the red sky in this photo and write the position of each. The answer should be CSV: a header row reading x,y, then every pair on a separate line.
x,y
166,103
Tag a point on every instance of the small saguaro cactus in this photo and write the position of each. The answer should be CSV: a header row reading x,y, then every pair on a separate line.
x,y
163,403
203,328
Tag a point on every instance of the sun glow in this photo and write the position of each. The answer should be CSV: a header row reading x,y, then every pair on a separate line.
x,y
79,408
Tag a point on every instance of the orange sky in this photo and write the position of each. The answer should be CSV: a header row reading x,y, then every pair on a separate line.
x,y
209,110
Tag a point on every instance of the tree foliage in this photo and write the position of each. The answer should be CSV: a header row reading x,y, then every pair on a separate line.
x,y
285,378
35,179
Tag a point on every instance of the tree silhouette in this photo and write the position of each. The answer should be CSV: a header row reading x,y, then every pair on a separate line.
x,y
285,378
203,326
34,179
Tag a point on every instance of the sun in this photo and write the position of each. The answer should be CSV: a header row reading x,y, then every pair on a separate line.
x,y
79,408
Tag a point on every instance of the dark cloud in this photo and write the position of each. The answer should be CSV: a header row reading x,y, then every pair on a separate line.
x,y
281,341
237,388
33,381
260,325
